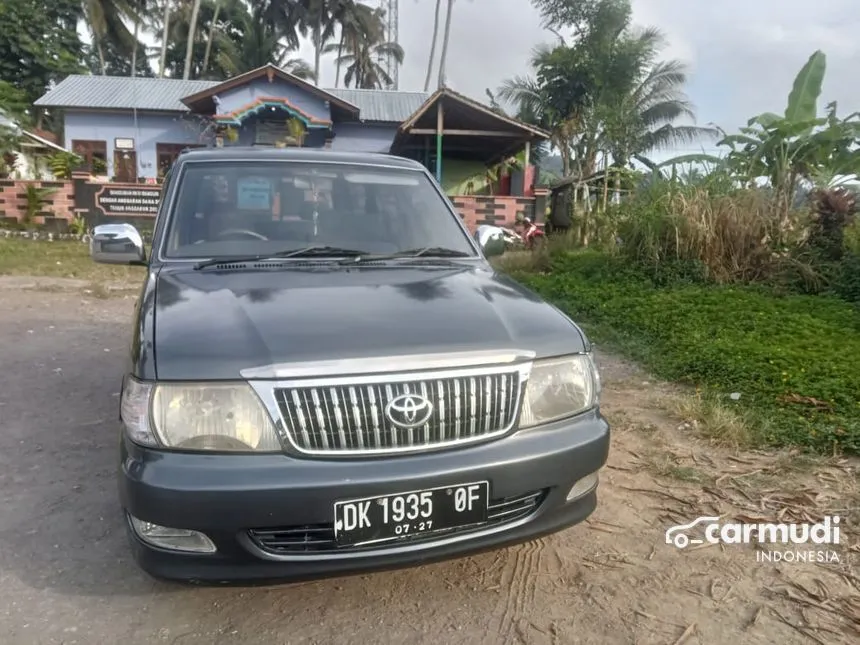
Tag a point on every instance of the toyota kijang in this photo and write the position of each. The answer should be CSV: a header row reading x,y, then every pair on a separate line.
x,y
326,376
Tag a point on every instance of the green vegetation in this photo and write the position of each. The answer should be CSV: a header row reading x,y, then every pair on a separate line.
x,y
740,276
60,259
603,93
39,43
214,39
794,359
36,199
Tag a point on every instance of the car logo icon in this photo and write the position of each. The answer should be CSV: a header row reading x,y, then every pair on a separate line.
x,y
675,535
408,410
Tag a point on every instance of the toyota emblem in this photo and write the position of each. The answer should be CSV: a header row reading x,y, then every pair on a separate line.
x,y
409,410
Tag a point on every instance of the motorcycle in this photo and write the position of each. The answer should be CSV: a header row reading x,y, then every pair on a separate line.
x,y
513,240
532,235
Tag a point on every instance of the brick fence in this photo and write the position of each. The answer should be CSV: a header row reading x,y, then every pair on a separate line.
x,y
136,203
55,211
495,210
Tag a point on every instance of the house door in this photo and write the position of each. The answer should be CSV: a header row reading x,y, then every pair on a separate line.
x,y
125,165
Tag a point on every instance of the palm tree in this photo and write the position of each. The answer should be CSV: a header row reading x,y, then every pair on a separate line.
x,y
105,19
141,8
362,63
259,43
289,17
165,38
433,45
210,37
445,37
189,47
222,32
606,94
318,18
355,19
559,104
644,119
365,46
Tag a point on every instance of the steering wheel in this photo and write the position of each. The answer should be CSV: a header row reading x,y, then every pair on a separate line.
x,y
242,231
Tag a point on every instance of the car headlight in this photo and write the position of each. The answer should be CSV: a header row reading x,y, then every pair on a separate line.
x,y
558,388
221,417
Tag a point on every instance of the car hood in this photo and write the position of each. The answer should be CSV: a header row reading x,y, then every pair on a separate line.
x,y
211,324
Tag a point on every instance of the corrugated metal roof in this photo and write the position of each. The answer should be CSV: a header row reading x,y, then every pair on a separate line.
x,y
123,93
390,106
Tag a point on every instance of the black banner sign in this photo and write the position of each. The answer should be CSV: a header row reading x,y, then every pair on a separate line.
x,y
128,201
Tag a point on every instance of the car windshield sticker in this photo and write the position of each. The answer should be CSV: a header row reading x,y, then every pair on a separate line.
x,y
254,194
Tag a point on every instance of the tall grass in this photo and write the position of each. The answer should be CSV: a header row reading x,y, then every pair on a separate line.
x,y
729,236
709,230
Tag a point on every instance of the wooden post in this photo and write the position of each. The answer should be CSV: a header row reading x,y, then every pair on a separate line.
x,y
440,125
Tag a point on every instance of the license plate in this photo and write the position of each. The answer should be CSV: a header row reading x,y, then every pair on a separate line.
x,y
394,517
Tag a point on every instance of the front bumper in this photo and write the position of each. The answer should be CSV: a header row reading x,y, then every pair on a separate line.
x,y
235,498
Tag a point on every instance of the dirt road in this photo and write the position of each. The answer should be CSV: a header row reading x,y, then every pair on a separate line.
x,y
65,574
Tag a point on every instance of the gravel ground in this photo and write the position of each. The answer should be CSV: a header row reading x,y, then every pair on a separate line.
x,y
66,575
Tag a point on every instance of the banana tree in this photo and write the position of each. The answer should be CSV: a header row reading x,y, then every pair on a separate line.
x,y
798,147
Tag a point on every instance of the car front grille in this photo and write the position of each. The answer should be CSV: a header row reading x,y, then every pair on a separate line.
x,y
358,418
319,538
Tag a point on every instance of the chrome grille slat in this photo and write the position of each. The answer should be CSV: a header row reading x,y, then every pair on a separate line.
x,y
351,418
356,417
458,417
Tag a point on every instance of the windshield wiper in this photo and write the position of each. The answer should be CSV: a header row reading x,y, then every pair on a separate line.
x,y
307,251
434,252
424,251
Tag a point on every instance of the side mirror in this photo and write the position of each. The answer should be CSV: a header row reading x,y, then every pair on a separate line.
x,y
491,239
117,244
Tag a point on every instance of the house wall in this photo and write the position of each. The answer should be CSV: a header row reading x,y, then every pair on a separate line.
x,y
239,97
31,166
146,130
363,137
457,173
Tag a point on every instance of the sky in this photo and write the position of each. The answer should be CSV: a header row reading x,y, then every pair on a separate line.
x,y
742,55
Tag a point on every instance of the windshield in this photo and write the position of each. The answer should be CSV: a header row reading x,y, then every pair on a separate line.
x,y
237,208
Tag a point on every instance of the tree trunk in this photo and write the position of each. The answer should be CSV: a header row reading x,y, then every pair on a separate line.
x,y
189,49
101,52
433,46
317,38
445,38
565,160
134,51
605,185
210,37
164,37
337,64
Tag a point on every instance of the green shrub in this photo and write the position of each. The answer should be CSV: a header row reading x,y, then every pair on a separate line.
x,y
852,237
794,359
846,277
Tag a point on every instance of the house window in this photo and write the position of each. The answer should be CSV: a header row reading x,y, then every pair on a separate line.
x,y
94,154
166,154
